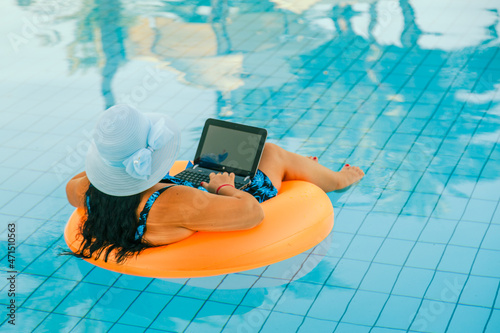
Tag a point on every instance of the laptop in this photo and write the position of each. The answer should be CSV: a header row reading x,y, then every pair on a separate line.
x,y
226,147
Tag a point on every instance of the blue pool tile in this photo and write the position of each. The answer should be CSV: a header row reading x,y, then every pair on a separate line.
x,y
480,210
438,231
411,126
417,160
47,208
132,282
468,319
398,312
386,330
443,164
81,299
282,322
166,286
401,142
386,123
394,251
101,276
453,147
89,325
432,316
486,189
408,227
321,272
432,182
246,319
348,220
262,295
493,323
73,269
365,307
496,217
348,273
25,255
208,284
377,224
388,160
497,302
363,247
20,180
339,243
233,288
211,318
391,201
6,196
176,316
324,308
450,207
57,323
491,238
404,180
468,234
49,294
457,259
490,170
469,167
297,298
26,321
24,286
420,204
316,325
413,282
425,255
380,278
139,315
446,287
362,197
478,291
460,186
21,204
374,139
49,261
112,304
119,328
351,328
487,263
286,269
47,234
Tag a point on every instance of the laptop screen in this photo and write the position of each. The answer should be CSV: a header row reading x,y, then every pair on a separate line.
x,y
236,149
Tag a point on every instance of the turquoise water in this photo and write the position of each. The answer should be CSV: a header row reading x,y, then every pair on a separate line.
x,y
407,90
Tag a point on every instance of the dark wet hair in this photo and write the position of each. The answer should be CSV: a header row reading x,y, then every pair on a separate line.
x,y
110,225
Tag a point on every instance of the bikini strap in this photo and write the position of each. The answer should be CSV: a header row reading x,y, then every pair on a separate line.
x,y
143,216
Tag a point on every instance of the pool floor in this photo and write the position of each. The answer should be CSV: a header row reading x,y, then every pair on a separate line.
x,y
407,90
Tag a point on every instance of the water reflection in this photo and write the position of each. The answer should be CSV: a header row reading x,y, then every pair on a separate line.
x,y
385,83
380,78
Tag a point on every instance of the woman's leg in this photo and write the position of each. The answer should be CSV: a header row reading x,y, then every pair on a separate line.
x,y
279,164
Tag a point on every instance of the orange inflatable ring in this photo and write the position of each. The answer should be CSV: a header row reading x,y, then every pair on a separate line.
x,y
297,219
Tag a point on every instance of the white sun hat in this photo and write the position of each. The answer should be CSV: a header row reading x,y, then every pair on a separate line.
x,y
131,151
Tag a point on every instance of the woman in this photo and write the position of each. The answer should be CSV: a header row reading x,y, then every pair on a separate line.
x,y
132,205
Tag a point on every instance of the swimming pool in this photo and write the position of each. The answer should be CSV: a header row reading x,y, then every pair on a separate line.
x,y
407,90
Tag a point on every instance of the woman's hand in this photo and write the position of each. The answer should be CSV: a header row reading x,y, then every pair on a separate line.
x,y
217,180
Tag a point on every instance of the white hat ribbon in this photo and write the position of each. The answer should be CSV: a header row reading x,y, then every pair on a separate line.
x,y
138,165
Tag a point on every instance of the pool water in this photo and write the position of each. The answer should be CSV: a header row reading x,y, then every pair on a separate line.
x,y
407,90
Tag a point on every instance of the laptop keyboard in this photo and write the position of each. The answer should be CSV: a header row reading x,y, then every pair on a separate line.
x,y
196,178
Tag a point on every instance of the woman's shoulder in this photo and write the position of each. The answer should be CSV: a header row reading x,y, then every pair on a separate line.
x,y
76,189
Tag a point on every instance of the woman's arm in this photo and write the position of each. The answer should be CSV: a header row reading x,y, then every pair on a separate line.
x,y
196,210
76,188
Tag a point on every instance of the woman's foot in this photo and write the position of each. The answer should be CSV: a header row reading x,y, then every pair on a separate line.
x,y
348,175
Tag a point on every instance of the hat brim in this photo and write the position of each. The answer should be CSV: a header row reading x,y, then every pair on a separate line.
x,y
113,180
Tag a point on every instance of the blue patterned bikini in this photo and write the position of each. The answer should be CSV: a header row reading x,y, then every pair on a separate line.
x,y
261,188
